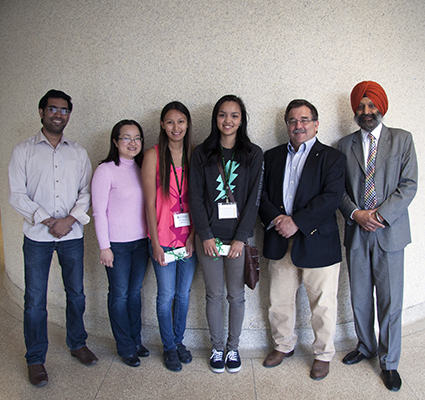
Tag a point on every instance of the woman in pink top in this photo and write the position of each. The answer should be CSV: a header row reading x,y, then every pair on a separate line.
x,y
165,182
121,229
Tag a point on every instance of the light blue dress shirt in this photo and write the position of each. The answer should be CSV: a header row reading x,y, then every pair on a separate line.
x,y
295,161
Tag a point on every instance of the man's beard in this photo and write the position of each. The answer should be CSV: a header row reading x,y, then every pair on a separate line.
x,y
370,125
53,128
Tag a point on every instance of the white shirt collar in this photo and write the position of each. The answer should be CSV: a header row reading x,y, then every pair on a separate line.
x,y
42,138
376,132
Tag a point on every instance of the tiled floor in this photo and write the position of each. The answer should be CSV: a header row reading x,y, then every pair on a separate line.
x,y
111,379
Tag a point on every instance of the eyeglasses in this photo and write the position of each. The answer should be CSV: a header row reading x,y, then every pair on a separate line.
x,y
128,140
54,110
302,121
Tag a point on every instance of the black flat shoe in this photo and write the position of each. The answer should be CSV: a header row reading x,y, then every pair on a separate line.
x,y
142,351
184,354
391,379
131,361
172,361
353,357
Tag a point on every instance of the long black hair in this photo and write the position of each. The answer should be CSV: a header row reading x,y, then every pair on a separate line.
x,y
164,151
115,134
243,145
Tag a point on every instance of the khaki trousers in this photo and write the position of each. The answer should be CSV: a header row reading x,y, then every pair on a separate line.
x,y
321,285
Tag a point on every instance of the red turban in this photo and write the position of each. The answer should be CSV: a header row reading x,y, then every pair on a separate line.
x,y
373,91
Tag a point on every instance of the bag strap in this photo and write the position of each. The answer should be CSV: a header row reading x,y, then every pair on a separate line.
x,y
229,192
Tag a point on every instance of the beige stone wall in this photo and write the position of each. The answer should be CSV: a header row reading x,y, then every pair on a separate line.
x,y
127,59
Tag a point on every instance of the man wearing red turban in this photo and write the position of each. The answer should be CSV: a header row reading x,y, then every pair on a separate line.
x,y
373,91
381,182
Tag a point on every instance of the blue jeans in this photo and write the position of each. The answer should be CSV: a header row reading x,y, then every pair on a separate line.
x,y
37,260
124,300
172,302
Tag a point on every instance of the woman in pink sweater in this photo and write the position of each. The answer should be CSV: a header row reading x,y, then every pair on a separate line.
x,y
121,229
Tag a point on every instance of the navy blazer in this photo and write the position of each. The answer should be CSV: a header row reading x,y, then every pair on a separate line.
x,y
318,196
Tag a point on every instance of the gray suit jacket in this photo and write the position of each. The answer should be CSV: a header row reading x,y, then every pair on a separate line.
x,y
396,175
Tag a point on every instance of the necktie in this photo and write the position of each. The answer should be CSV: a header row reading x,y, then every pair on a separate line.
x,y
370,191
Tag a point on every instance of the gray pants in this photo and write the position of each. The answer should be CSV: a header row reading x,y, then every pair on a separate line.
x,y
369,266
213,272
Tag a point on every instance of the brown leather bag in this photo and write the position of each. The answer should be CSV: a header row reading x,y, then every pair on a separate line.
x,y
252,266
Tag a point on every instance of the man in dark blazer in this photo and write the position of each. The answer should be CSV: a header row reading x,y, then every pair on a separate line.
x,y
377,226
303,187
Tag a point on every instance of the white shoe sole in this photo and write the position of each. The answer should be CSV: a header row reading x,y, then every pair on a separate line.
x,y
217,370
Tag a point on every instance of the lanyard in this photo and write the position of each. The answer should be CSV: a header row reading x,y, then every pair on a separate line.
x,y
179,187
227,173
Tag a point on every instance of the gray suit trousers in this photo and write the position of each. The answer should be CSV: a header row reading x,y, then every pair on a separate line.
x,y
369,267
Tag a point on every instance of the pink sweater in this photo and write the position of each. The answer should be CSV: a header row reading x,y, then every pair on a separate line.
x,y
118,203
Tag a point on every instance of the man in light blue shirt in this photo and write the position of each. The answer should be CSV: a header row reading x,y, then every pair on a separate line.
x,y
303,187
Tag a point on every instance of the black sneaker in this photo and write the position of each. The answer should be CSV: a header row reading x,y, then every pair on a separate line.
x,y
217,361
132,360
142,351
233,361
184,354
172,361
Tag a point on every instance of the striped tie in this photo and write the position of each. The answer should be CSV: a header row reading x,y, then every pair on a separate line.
x,y
370,191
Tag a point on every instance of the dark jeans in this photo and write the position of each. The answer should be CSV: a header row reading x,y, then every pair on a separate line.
x,y
124,300
172,302
37,260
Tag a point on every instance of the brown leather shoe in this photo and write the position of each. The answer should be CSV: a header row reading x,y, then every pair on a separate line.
x,y
85,356
319,370
274,358
37,375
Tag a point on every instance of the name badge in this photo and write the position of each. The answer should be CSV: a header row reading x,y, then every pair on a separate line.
x,y
227,210
181,219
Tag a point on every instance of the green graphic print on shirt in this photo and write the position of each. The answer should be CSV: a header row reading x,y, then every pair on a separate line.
x,y
229,171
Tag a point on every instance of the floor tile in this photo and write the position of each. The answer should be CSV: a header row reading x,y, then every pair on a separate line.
x,y
153,381
412,364
111,379
291,380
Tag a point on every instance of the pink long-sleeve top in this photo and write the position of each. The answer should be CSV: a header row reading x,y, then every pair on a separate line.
x,y
118,203
168,234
